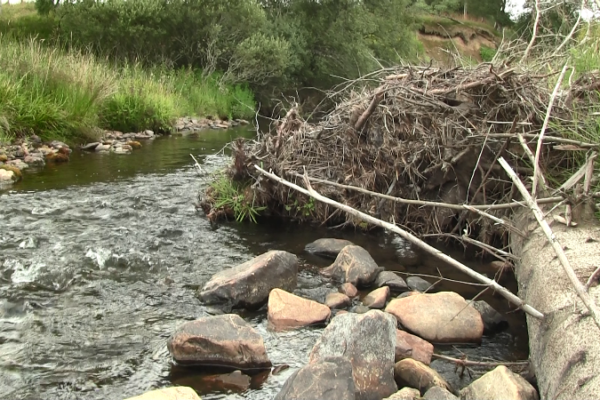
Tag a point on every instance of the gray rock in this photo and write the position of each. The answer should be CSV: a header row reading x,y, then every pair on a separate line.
x,y
326,379
391,280
368,341
493,321
102,148
417,283
172,393
355,265
438,393
327,247
249,284
222,340
35,159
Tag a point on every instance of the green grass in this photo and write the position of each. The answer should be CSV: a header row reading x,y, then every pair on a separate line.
x,y
66,95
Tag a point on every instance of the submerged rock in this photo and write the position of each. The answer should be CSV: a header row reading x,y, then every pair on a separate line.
x,y
326,379
286,310
222,340
368,341
417,283
499,384
327,247
234,381
415,374
377,298
392,280
355,265
443,317
337,300
172,393
249,284
411,346
493,321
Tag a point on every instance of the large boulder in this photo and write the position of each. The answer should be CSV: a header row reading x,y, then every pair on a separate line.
x,y
443,317
415,374
355,265
286,310
411,346
391,280
326,379
222,340
499,384
249,284
172,393
368,341
327,247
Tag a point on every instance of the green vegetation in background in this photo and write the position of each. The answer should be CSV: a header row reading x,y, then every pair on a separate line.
x,y
66,95
487,53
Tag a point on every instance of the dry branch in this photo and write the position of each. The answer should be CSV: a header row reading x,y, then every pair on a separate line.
x,y
537,212
409,237
468,363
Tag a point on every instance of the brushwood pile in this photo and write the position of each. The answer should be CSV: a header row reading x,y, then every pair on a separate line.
x,y
416,133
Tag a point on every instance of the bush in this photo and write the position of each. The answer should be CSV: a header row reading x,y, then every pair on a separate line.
x,y
487,53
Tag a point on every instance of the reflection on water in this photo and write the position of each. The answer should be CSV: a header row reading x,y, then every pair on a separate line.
x,y
100,260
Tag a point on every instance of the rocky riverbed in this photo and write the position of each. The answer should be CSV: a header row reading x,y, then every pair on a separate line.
x,y
377,347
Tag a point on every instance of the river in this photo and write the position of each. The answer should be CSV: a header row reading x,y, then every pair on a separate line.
x,y
101,258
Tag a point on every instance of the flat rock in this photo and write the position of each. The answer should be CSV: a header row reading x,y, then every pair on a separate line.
x,y
499,384
443,317
222,340
438,393
355,265
415,374
327,247
377,298
411,346
249,284
417,283
35,159
326,379
406,393
349,290
368,341
392,280
172,393
493,321
337,300
286,310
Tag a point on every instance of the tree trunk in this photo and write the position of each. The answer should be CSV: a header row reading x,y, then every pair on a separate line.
x,y
565,345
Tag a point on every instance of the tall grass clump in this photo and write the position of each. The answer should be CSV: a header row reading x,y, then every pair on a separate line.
x,y
50,93
67,95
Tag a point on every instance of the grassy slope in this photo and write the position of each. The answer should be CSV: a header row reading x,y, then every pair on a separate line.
x,y
60,95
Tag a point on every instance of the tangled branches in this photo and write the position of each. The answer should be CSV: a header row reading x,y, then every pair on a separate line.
x,y
421,134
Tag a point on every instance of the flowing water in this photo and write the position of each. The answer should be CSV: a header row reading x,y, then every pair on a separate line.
x,y
101,258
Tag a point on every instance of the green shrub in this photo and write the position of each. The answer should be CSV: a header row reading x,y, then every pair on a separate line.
x,y
487,53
